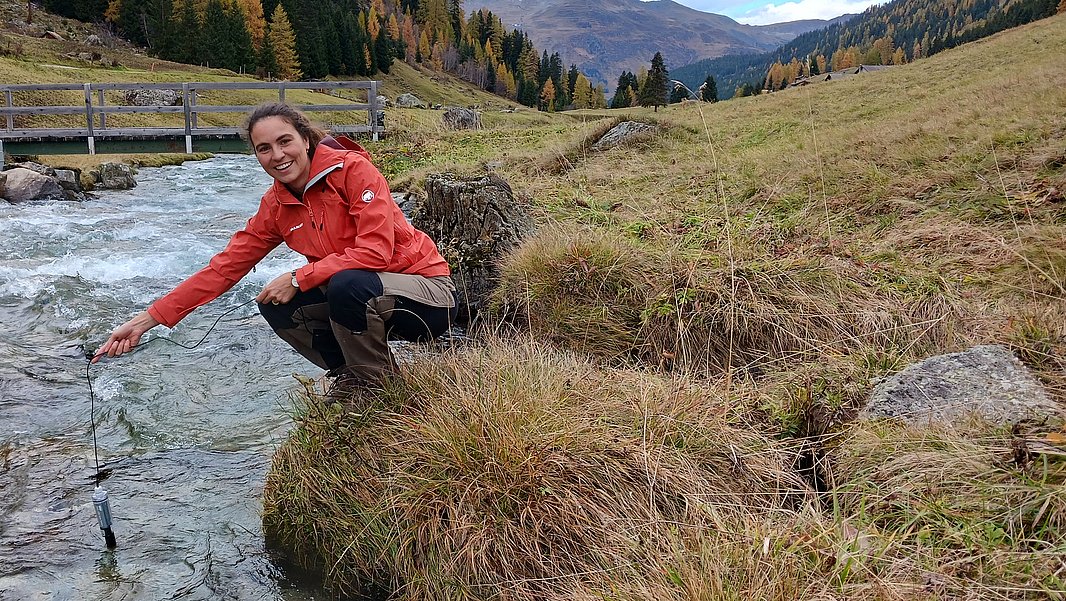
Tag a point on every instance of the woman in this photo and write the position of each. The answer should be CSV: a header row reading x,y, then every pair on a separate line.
x,y
369,273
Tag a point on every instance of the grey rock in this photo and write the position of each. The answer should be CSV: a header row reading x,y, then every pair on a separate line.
x,y
987,380
384,101
21,185
114,176
144,97
437,106
624,132
36,168
69,179
474,221
457,117
94,40
409,101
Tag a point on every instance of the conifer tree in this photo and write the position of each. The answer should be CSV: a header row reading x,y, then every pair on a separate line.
x,y
653,92
678,93
283,41
268,63
547,96
621,98
383,52
708,92
254,20
582,92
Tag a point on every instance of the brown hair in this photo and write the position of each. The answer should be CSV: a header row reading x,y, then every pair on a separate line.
x,y
293,116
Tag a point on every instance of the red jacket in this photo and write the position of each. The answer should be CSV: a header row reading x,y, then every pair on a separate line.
x,y
347,220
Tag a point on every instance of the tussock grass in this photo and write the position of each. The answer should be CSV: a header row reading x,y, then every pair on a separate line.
x,y
611,297
972,507
512,470
517,471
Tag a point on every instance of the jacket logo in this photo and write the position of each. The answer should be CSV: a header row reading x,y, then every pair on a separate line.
x,y
368,195
295,227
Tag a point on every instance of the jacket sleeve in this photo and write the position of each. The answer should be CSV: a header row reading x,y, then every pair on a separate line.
x,y
371,206
246,248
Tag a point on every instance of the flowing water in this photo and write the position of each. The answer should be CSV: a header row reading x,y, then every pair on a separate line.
x,y
185,435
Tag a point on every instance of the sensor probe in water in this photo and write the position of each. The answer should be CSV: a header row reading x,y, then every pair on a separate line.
x,y
100,499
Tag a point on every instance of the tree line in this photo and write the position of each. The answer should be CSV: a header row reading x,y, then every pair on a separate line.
x,y
653,87
893,33
314,39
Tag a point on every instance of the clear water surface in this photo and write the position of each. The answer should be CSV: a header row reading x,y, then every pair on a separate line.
x,y
187,435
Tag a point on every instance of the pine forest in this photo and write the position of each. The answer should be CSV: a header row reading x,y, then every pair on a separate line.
x,y
315,39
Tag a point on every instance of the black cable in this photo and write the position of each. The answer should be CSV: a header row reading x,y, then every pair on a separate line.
x,y
92,396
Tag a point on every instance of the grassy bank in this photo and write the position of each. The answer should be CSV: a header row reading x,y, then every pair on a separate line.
x,y
663,408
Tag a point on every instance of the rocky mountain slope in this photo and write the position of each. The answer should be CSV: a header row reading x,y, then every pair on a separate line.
x,y
605,37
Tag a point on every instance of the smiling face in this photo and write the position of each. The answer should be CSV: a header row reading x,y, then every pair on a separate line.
x,y
282,151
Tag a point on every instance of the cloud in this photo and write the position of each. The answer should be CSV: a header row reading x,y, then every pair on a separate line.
x,y
804,9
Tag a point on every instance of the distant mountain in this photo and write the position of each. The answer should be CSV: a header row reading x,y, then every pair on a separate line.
x,y
919,27
605,37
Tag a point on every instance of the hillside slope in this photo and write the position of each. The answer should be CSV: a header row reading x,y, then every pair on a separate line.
x,y
665,408
605,37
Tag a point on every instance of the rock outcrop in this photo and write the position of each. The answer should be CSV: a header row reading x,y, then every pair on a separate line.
x,y
457,117
409,101
475,221
21,185
623,133
145,97
114,176
987,380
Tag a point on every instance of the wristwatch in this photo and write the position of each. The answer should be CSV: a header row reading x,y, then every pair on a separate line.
x,y
295,284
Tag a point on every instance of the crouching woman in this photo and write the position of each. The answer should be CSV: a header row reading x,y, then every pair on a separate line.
x,y
369,274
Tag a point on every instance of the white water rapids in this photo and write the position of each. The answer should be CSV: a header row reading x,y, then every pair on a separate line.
x,y
187,436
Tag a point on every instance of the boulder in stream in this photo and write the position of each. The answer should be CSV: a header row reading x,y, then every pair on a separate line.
x,y
114,176
21,184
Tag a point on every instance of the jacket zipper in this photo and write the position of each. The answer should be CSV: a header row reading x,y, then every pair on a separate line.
x,y
317,228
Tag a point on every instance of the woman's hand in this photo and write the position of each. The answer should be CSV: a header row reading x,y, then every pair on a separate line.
x,y
279,291
126,336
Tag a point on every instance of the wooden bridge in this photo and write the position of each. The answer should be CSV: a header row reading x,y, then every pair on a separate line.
x,y
85,128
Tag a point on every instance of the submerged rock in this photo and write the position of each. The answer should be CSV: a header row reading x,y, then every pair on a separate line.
x,y
475,221
987,380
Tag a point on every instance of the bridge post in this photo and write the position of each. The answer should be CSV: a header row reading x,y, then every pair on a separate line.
x,y
372,100
7,103
188,117
102,102
89,117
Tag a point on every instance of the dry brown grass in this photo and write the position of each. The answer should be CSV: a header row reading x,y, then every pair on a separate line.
x,y
519,472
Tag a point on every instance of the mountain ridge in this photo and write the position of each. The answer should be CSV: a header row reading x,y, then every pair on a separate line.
x,y
605,37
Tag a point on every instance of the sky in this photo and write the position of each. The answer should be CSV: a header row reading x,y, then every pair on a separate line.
x,y
762,12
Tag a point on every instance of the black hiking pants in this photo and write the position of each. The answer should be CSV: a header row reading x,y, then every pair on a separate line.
x,y
348,322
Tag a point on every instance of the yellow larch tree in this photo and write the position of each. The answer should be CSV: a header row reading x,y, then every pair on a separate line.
x,y
283,41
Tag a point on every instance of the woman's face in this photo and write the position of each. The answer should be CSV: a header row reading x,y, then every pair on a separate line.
x,y
282,151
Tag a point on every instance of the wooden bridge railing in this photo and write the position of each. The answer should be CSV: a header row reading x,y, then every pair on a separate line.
x,y
95,111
